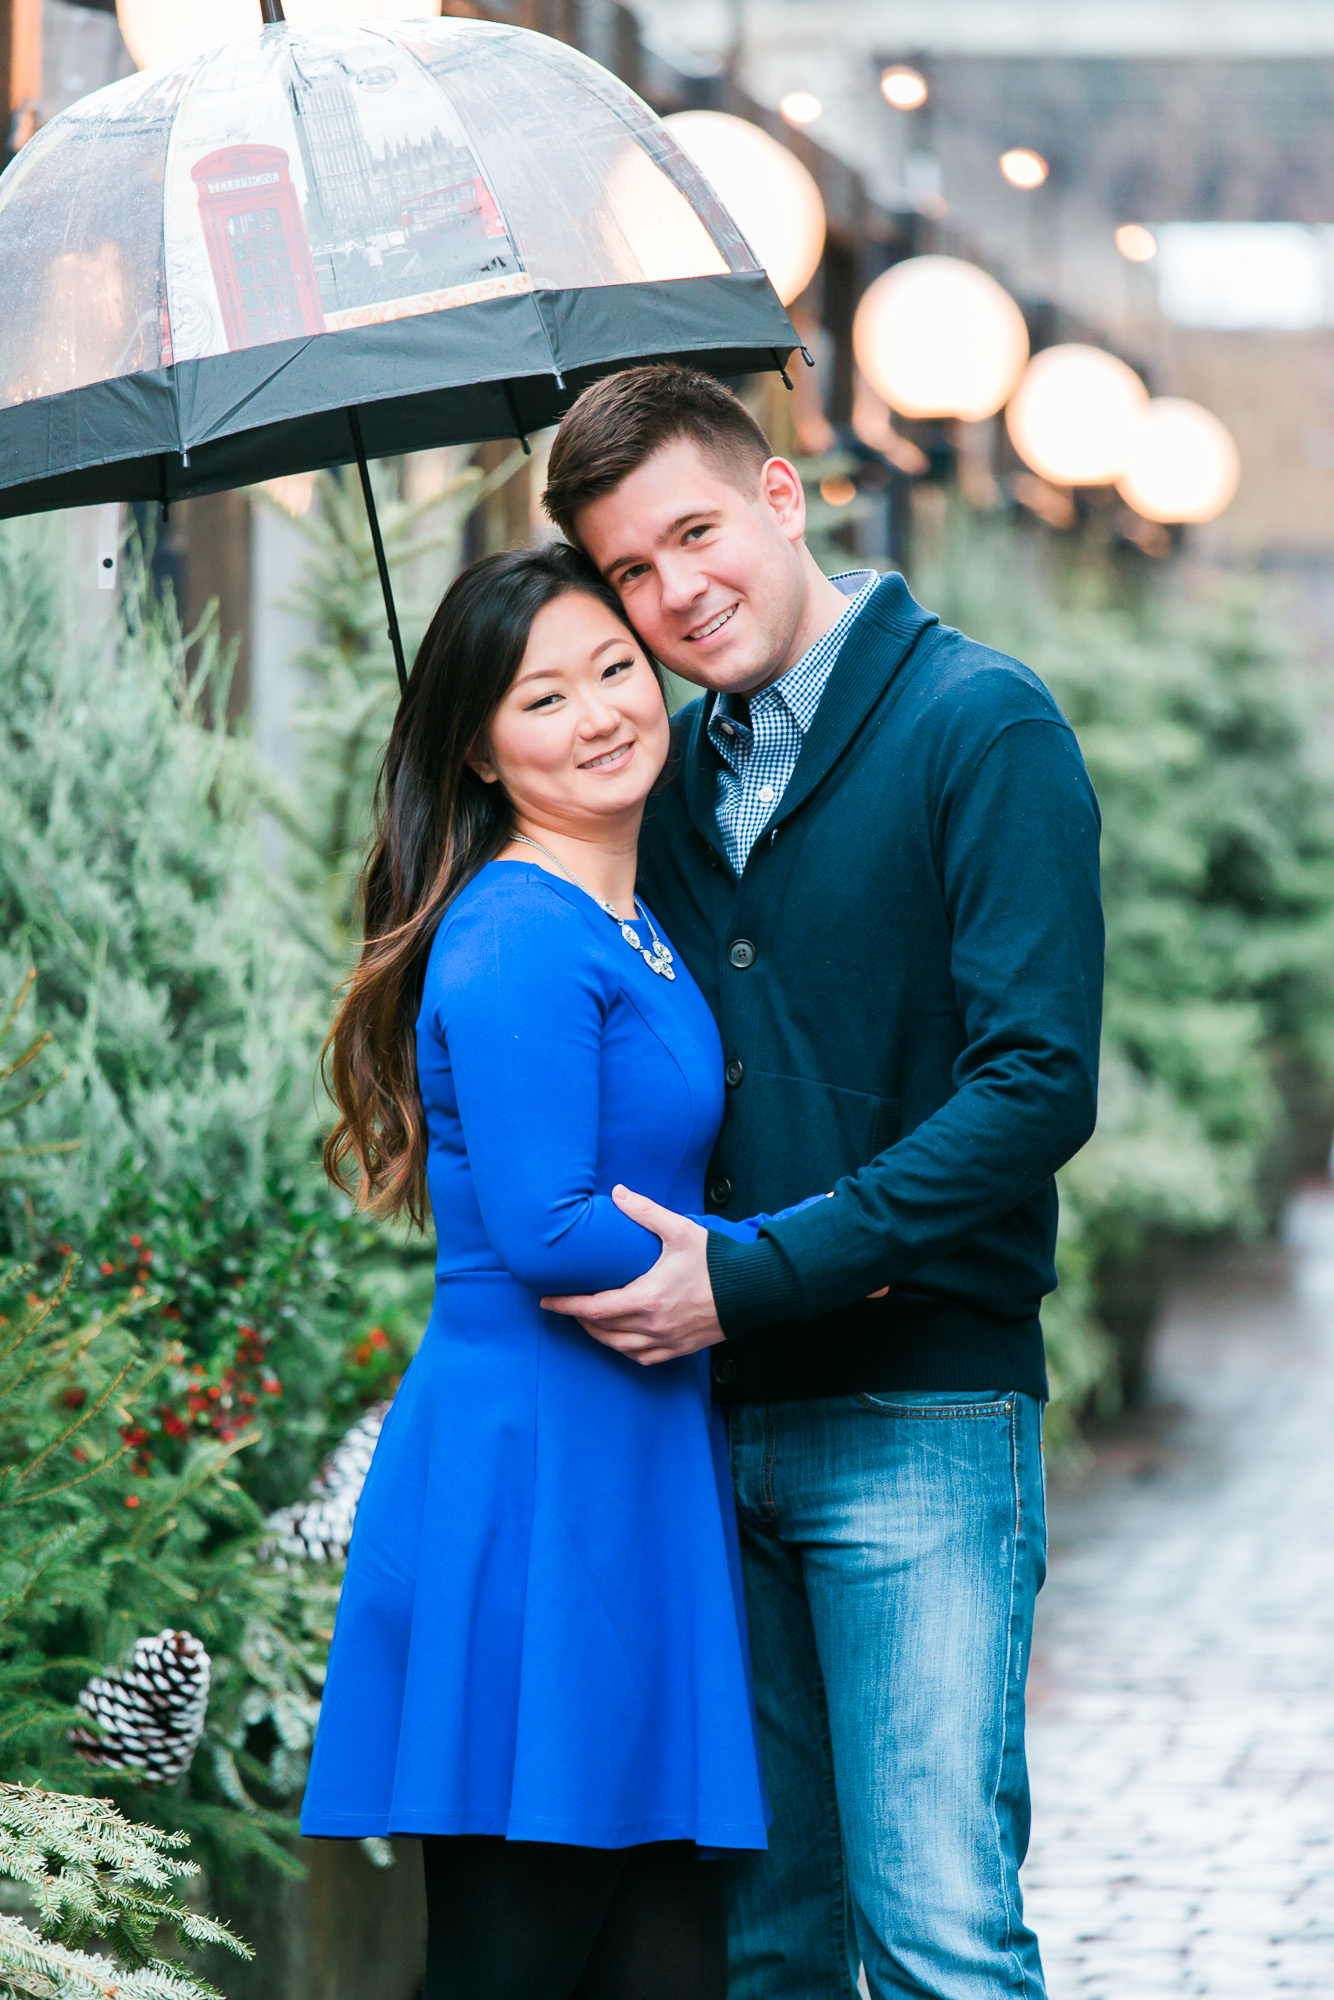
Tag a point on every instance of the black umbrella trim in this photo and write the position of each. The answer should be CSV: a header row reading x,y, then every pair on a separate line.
x,y
454,377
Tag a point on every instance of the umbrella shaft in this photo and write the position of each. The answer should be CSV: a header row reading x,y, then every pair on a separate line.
x,y
377,542
272,10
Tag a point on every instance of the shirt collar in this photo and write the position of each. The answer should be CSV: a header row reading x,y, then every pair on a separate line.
x,y
801,686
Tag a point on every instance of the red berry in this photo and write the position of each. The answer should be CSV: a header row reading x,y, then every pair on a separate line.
x,y
131,1499
107,1270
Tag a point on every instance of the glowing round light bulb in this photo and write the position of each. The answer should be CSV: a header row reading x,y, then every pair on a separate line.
x,y
1136,243
801,107
1182,465
771,197
1073,415
1024,168
170,31
936,337
904,88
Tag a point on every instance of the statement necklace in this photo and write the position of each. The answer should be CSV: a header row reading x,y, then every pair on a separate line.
x,y
659,959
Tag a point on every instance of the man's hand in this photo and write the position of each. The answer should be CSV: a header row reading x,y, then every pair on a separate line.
x,y
670,1310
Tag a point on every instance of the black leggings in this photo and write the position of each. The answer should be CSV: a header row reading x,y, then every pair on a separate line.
x,y
524,1920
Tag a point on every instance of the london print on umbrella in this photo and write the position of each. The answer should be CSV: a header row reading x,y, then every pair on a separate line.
x,y
366,205
442,226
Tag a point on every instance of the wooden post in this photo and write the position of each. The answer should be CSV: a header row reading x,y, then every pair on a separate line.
x,y
21,70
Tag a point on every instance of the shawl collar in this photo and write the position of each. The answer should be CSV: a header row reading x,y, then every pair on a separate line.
x,y
884,633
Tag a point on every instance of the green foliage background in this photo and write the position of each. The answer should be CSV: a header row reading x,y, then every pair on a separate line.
x,y
182,1286
1218,880
190,1317
186,1309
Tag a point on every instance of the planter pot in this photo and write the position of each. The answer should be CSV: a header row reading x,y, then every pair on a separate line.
x,y
349,1931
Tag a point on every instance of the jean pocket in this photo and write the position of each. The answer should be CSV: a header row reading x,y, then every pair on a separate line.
x,y
936,1405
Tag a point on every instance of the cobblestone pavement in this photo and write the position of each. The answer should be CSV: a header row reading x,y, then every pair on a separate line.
x,y
1182,1696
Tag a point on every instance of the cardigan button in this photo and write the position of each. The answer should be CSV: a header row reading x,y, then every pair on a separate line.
x,y
723,1367
734,1071
720,1191
741,953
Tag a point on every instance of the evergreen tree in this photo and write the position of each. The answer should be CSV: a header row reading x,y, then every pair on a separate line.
x,y
98,1550
180,1275
1218,884
131,878
184,1014
88,1873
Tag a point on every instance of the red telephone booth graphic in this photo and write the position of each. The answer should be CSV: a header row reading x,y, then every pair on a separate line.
x,y
257,245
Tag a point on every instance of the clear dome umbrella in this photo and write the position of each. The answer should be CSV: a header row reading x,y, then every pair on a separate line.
x,y
328,243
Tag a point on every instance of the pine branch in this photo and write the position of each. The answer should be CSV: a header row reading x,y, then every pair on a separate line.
x,y
9,1069
33,1966
18,1003
31,1499
92,1873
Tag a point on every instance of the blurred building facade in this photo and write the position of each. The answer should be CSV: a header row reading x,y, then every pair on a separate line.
x,y
1157,112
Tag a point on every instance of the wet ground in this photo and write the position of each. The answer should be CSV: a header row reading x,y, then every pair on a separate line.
x,y
1181,1728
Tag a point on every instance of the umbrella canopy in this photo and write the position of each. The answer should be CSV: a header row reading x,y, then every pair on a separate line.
x,y
441,227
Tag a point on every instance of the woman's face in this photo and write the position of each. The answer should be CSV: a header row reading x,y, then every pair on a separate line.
x,y
581,735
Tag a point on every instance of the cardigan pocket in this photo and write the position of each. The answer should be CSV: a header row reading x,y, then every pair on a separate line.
x,y
777,1123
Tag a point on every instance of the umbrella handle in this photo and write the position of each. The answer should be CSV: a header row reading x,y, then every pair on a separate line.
x,y
377,542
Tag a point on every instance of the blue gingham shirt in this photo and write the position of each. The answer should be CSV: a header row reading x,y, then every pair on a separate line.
x,y
759,736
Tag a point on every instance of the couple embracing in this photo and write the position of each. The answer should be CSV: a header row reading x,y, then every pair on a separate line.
x,y
688,1610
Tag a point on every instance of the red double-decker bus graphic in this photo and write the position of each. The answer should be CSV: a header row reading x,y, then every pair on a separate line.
x,y
257,245
468,206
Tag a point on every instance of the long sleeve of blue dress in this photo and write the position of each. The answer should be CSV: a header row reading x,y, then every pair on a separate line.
x,y
523,1010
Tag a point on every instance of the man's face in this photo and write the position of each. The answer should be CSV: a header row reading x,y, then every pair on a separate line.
x,y
709,572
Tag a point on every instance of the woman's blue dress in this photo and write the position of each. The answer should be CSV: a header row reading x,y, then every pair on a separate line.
x,y
541,1631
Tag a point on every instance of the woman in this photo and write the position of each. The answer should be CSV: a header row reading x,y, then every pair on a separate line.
x,y
540,1662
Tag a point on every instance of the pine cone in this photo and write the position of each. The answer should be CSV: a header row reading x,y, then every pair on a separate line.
x,y
150,1717
319,1528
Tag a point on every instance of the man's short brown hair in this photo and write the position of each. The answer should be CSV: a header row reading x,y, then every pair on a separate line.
x,y
618,423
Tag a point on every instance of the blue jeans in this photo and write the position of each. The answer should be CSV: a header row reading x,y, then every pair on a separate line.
x,y
893,1546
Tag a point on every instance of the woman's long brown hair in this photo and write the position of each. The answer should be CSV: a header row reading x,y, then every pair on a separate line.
x,y
436,825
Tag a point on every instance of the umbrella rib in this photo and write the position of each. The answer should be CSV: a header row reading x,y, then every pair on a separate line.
x,y
377,542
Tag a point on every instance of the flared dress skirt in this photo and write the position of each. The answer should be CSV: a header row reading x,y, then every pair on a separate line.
x,y
541,1633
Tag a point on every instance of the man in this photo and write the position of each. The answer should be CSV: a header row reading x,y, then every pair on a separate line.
x,y
878,856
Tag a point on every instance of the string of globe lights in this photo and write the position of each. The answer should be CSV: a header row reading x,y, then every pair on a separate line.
x,y
934,337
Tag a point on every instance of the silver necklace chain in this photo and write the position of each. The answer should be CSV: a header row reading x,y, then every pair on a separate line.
x,y
658,960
